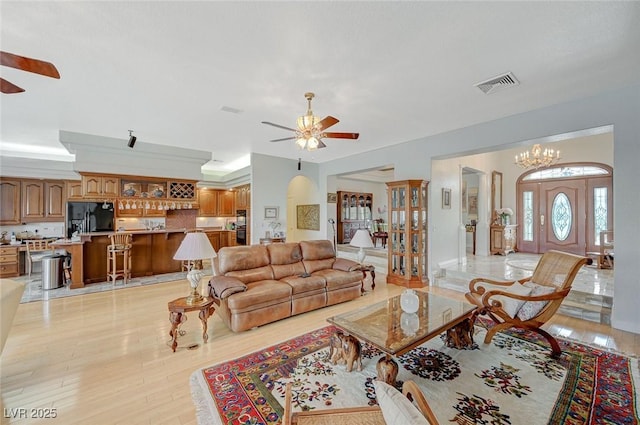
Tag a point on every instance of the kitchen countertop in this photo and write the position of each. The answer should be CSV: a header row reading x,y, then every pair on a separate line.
x,y
144,231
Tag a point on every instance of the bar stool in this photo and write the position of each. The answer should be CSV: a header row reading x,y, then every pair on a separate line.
x,y
120,247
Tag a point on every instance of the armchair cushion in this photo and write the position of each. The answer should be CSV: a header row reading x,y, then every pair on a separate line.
x,y
530,309
509,305
396,408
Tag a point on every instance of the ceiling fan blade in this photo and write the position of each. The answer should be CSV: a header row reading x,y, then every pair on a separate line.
x,y
321,144
278,125
28,64
327,122
280,140
341,135
9,88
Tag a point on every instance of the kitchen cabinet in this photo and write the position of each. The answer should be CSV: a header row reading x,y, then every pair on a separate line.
x,y
502,239
214,238
32,200
10,199
9,261
216,203
243,197
226,203
54,200
354,212
407,249
74,189
208,201
97,186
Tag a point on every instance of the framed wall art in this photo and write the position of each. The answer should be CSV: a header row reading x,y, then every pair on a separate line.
x,y
332,198
308,216
270,212
446,198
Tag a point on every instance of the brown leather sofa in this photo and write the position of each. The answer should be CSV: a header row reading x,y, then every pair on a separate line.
x,y
258,284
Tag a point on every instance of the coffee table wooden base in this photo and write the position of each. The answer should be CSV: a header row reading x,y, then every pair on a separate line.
x,y
177,310
461,335
387,370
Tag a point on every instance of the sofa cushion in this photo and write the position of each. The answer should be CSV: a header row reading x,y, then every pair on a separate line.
x,y
242,258
300,285
286,259
259,295
338,279
317,250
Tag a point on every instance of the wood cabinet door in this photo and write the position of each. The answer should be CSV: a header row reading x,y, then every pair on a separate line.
x,y
91,186
226,203
214,238
74,189
54,199
10,199
208,200
32,199
110,186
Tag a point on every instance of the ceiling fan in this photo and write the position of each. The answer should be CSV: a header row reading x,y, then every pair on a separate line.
x,y
24,64
310,131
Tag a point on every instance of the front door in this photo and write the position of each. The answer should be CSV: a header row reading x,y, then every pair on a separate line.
x,y
564,210
563,216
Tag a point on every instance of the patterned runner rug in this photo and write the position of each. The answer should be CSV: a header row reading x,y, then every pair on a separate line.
x,y
510,381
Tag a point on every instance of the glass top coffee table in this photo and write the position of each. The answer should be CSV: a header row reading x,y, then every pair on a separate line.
x,y
385,326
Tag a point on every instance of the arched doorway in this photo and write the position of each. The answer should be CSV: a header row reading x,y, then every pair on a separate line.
x,y
564,207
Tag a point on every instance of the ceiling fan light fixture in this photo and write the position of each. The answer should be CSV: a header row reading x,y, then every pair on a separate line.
x,y
306,122
301,142
312,143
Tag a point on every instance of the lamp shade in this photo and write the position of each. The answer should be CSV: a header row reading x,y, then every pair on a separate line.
x,y
195,246
362,239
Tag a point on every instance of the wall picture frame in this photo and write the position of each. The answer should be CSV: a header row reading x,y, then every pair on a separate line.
x,y
446,198
332,198
270,212
308,217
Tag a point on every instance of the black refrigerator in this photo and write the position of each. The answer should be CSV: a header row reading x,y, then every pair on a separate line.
x,y
85,217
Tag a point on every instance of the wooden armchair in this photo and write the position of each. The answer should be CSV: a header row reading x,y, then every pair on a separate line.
x,y
528,303
365,415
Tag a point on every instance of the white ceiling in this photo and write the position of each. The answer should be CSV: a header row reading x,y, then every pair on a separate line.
x,y
392,71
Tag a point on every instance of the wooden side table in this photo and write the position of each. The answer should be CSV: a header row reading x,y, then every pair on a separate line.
x,y
177,310
364,268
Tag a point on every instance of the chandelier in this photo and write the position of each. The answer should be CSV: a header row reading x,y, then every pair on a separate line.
x,y
537,158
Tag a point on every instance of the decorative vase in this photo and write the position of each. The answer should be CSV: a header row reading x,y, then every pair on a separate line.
x,y
505,220
409,301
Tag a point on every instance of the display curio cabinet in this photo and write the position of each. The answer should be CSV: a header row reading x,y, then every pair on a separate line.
x,y
407,245
354,212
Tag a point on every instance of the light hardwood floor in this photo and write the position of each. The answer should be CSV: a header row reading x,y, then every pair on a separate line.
x,y
104,358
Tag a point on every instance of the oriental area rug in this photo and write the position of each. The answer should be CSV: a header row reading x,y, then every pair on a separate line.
x,y
512,380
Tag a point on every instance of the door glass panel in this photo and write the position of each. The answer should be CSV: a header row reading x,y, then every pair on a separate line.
x,y
561,216
599,212
527,207
564,171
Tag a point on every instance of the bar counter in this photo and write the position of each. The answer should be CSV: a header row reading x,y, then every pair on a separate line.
x,y
151,253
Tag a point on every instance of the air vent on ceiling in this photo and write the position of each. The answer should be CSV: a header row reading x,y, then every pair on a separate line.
x,y
496,83
231,109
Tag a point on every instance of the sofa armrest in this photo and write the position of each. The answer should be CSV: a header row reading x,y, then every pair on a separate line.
x,y
222,287
345,265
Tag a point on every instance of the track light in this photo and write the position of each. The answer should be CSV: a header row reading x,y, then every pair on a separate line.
x,y
132,139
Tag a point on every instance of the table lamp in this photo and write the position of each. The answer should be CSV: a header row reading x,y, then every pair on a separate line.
x,y
194,246
362,240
